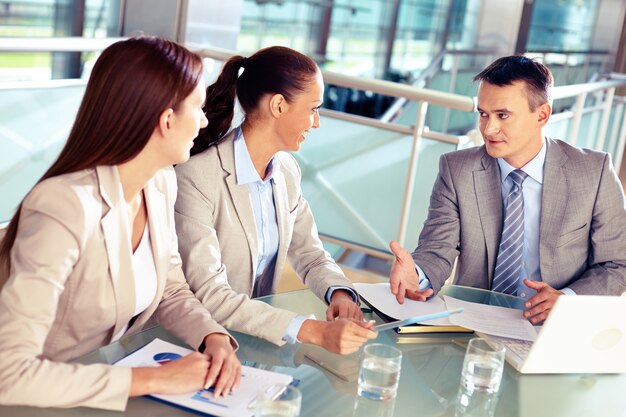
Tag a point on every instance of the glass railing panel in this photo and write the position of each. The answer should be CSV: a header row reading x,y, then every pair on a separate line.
x,y
354,178
435,116
611,144
446,120
442,119
408,114
34,124
557,129
589,127
588,130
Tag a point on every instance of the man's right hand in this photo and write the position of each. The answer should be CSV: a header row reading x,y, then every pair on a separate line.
x,y
404,281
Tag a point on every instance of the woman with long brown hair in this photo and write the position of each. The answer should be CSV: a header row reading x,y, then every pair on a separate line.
x,y
92,251
240,213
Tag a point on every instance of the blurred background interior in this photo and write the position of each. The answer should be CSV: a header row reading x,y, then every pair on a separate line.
x,y
398,89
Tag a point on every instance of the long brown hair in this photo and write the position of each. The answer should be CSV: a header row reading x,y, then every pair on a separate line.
x,y
273,70
131,84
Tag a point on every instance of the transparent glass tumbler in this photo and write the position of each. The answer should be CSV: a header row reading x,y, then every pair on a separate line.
x,y
482,366
380,372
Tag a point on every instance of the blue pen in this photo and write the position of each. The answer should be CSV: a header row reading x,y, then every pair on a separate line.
x,y
414,320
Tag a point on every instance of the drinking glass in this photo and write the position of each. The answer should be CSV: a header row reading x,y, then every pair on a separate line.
x,y
482,366
380,372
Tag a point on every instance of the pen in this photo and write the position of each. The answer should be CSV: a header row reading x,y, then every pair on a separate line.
x,y
417,319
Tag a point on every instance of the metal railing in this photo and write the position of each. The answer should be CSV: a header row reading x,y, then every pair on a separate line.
x,y
69,44
418,131
570,60
435,67
424,97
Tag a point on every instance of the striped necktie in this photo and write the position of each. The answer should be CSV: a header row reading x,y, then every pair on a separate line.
x,y
509,261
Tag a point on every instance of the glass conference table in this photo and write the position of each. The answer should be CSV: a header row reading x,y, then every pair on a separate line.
x,y
429,382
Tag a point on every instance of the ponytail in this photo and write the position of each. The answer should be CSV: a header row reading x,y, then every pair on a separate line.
x,y
272,70
219,107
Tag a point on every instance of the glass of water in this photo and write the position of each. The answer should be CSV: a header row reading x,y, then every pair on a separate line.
x,y
278,401
380,372
482,366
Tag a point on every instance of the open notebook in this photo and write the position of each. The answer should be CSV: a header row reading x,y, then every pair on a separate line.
x,y
583,334
379,298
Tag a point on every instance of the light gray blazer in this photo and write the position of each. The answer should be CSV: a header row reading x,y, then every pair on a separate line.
x,y
218,240
582,236
71,289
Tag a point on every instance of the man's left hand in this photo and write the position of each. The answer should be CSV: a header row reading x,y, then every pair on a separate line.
x,y
343,306
539,306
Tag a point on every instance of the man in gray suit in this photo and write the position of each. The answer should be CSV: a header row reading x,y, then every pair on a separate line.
x,y
525,214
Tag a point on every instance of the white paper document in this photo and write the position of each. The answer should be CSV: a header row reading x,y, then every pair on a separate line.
x,y
236,404
494,320
380,297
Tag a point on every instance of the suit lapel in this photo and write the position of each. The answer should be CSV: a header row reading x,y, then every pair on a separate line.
x,y
240,196
553,203
116,230
281,202
489,200
159,239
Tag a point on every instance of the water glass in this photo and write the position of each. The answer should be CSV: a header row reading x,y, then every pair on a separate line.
x,y
278,401
482,366
380,372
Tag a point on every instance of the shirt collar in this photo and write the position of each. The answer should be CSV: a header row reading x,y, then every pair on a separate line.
x,y
534,168
244,168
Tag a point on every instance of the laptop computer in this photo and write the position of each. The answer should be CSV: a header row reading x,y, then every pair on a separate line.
x,y
583,334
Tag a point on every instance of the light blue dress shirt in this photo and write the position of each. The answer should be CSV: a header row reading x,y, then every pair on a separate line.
x,y
262,199
531,193
264,209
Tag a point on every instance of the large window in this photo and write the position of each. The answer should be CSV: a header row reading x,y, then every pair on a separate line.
x,y
421,33
53,18
283,23
562,25
371,38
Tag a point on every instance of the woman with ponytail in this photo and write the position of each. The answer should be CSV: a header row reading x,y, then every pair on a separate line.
x,y
240,213
92,251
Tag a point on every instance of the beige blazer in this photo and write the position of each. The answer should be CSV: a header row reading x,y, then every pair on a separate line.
x,y
71,289
218,240
582,231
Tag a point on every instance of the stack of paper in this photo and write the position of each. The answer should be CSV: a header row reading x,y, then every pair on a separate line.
x,y
494,320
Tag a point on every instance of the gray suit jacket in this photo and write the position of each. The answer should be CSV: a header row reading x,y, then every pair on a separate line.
x,y
582,236
71,289
218,240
